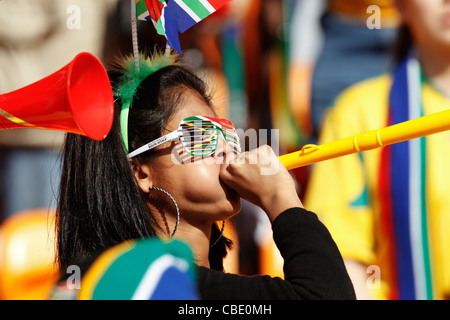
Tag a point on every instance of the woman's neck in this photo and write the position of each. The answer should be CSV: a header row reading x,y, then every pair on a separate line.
x,y
194,233
436,67
196,236
198,239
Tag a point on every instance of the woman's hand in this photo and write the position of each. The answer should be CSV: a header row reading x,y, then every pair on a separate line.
x,y
260,178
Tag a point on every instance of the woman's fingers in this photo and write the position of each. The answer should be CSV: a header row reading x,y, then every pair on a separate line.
x,y
259,177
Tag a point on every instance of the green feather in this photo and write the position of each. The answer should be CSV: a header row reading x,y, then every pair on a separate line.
x,y
132,78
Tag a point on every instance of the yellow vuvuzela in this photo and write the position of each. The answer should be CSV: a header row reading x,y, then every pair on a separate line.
x,y
423,126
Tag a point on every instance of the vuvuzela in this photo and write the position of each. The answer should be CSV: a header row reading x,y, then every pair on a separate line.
x,y
369,140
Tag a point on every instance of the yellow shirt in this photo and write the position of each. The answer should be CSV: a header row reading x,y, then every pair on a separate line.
x,y
343,193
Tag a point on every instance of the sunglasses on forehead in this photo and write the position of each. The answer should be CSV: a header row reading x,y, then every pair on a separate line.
x,y
199,136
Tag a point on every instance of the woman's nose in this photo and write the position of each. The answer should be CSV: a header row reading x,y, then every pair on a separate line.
x,y
223,148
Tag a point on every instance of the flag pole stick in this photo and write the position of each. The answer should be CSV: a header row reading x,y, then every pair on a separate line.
x,y
168,48
134,34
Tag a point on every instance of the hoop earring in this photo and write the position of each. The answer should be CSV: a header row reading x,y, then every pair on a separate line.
x,y
221,234
176,207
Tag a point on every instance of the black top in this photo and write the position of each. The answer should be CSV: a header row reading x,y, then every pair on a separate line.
x,y
313,266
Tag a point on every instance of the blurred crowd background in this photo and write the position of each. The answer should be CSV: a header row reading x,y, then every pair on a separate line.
x,y
272,64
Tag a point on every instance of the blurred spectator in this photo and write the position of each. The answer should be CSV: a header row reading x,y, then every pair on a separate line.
x,y
388,209
37,38
335,43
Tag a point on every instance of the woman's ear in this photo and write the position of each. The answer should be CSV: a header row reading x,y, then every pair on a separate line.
x,y
143,176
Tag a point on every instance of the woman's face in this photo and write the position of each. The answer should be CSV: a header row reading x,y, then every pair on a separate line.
x,y
195,185
429,21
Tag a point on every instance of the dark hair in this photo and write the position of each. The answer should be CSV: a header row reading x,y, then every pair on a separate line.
x,y
100,203
403,44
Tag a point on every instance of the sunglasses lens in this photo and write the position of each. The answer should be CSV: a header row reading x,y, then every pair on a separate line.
x,y
200,135
230,134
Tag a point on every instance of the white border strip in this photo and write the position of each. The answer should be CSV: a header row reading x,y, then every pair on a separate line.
x,y
415,185
153,275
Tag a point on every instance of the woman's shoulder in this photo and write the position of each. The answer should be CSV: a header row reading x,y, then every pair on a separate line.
x,y
367,92
362,106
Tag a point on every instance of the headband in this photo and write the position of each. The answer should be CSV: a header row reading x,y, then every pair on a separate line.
x,y
131,79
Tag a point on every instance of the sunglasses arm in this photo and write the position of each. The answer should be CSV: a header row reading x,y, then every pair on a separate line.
x,y
168,137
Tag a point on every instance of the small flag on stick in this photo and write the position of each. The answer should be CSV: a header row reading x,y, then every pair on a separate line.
x,y
172,17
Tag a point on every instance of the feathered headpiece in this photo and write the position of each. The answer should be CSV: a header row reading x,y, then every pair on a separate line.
x,y
131,79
